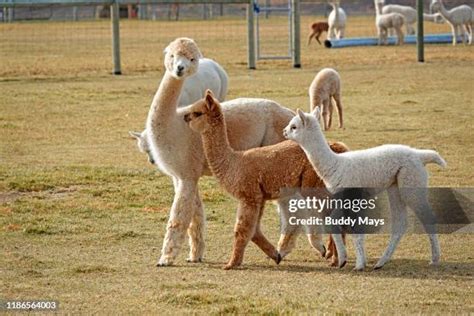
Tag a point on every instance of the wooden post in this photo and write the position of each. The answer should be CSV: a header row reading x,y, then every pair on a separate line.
x,y
296,40
115,17
420,45
251,36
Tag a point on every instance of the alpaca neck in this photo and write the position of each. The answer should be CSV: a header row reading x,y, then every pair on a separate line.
x,y
218,151
323,159
165,102
445,13
378,8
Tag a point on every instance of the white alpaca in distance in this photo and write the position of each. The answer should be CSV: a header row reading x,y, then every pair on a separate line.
x,y
398,169
336,21
459,18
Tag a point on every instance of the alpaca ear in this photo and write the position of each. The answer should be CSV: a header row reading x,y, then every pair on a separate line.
x,y
136,135
210,102
302,116
166,50
316,113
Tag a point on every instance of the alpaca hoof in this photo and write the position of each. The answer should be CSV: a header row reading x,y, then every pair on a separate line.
x,y
164,262
196,260
329,254
278,258
342,264
358,269
333,264
434,263
378,267
229,266
323,253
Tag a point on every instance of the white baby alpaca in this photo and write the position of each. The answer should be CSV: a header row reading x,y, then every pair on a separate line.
x,y
389,167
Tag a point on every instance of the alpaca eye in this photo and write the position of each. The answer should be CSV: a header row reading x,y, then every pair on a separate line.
x,y
172,56
197,114
192,60
293,128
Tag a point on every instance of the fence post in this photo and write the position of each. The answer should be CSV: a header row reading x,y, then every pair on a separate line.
x,y
420,45
251,36
296,41
115,17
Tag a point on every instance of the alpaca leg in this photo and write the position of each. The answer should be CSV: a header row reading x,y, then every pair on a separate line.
x,y
331,111
419,204
400,36
337,236
361,260
325,116
332,251
262,242
417,199
180,218
341,32
310,37
331,34
399,224
317,243
337,98
469,28
455,34
196,232
317,37
289,233
247,218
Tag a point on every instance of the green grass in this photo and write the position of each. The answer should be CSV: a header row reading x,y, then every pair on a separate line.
x,y
82,213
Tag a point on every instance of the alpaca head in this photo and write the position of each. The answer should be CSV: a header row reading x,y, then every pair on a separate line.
x,y
299,126
142,144
182,57
204,113
435,6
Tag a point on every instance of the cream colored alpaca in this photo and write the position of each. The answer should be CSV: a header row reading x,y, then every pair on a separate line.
x,y
252,176
458,18
408,12
325,87
177,150
384,22
209,75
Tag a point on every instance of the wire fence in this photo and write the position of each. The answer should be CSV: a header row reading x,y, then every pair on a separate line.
x,y
64,39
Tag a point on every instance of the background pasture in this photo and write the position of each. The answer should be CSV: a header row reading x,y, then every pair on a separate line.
x,y
82,213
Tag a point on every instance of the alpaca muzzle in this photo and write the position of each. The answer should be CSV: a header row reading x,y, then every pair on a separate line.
x,y
187,118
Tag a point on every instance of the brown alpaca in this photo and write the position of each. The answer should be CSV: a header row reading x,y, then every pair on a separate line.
x,y
253,176
316,29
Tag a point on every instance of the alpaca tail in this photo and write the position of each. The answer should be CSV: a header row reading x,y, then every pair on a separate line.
x,y
430,156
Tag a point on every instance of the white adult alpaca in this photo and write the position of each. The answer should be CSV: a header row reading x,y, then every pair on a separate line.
x,y
396,168
336,21
177,150
384,22
408,12
459,18
210,75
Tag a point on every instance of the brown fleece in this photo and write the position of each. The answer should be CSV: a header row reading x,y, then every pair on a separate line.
x,y
252,176
316,29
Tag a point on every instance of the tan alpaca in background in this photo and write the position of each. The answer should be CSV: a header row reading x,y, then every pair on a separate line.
x,y
316,29
325,88
177,150
253,176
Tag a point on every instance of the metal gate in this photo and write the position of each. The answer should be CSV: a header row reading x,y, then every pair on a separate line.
x,y
270,45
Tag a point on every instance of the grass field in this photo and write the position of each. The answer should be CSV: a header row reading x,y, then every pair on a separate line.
x,y
82,213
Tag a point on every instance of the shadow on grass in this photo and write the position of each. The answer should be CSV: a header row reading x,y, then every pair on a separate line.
x,y
396,268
